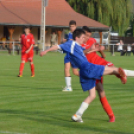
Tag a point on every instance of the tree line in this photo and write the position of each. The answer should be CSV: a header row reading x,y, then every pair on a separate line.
x,y
115,13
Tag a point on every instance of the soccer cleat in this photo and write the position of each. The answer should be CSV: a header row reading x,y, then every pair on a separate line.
x,y
123,76
112,119
33,75
19,75
68,89
77,118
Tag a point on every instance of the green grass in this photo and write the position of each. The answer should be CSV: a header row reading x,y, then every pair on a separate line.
x,y
38,106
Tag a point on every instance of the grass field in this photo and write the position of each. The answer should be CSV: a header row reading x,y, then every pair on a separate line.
x,y
38,106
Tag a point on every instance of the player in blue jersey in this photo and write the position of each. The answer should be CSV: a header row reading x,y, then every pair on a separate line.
x,y
88,72
68,87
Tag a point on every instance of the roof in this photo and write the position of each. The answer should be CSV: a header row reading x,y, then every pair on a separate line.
x,y
58,14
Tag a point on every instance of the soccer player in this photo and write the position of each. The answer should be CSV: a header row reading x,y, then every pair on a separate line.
x,y
88,72
27,42
67,65
94,58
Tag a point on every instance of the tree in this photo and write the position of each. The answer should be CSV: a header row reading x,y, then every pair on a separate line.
x,y
115,13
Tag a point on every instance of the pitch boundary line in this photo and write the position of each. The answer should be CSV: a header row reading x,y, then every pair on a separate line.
x,y
7,132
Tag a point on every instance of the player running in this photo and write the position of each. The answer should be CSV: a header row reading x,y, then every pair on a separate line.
x,y
88,72
67,65
27,42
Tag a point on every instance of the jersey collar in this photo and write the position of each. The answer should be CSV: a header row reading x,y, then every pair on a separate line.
x,y
77,43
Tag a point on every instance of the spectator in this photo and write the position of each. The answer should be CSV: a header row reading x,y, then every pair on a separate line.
x,y
128,50
120,48
133,48
53,38
3,39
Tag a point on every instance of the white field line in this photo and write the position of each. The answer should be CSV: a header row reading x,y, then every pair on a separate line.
x,y
7,132
38,70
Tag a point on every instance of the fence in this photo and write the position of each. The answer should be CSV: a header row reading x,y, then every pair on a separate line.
x,y
14,46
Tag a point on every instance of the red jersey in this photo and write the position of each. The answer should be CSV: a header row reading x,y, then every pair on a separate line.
x,y
91,56
94,57
27,41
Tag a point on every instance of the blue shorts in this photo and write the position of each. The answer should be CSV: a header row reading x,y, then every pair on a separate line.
x,y
67,60
89,73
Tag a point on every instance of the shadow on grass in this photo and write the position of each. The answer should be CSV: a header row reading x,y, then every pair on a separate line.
x,y
59,120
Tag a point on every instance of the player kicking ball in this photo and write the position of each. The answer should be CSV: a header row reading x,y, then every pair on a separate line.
x,y
27,42
88,72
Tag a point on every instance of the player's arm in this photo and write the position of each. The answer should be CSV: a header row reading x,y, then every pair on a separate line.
x,y
27,51
93,49
102,54
53,48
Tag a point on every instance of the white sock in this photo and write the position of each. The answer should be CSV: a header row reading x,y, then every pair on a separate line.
x,y
68,81
82,108
129,72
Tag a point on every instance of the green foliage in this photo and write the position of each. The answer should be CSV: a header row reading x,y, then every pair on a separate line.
x,y
115,13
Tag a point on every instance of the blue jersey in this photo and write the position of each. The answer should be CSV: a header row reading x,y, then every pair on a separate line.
x,y
70,36
76,52
88,72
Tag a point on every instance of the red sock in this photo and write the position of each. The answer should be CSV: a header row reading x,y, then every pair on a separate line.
x,y
32,69
21,68
106,107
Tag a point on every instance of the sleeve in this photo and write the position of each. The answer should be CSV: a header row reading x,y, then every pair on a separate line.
x,y
83,48
65,47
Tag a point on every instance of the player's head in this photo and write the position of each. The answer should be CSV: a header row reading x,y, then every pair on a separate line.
x,y
87,31
27,29
79,36
72,25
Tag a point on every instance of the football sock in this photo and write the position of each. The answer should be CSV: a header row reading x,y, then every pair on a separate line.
x,y
32,68
129,72
21,68
106,107
82,108
68,81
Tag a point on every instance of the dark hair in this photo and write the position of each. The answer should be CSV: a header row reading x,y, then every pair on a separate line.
x,y
85,28
78,33
28,27
72,22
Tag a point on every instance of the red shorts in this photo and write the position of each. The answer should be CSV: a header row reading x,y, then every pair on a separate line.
x,y
27,57
109,64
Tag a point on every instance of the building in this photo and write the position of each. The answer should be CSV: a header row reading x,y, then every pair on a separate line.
x,y
17,13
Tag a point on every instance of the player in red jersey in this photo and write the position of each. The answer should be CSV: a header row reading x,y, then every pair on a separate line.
x,y
27,42
96,59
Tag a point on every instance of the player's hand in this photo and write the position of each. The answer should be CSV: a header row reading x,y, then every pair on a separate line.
x,y
100,48
64,40
26,51
43,53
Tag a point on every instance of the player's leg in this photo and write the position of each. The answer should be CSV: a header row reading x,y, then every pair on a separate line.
x,y
21,68
67,77
67,66
23,60
30,59
75,71
32,69
106,106
78,116
116,71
